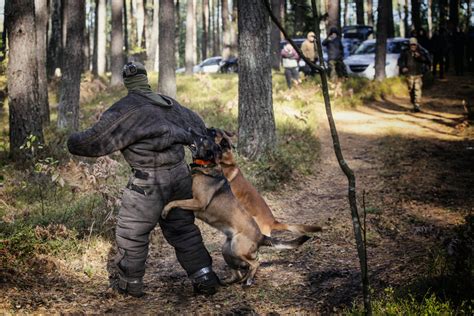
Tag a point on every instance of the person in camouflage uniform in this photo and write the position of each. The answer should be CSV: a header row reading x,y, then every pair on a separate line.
x,y
150,130
413,63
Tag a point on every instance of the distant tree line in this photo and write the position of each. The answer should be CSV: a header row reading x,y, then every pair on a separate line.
x,y
48,39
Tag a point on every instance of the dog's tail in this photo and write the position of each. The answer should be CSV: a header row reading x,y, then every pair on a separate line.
x,y
283,244
296,228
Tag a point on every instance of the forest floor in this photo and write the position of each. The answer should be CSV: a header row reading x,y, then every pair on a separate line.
x,y
417,172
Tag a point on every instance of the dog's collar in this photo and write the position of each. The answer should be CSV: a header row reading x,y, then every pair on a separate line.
x,y
202,163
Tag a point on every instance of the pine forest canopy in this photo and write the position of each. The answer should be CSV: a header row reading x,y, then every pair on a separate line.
x,y
112,31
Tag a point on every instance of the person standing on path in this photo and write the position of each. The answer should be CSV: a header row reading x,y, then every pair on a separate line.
x,y
412,63
309,51
290,62
150,130
337,68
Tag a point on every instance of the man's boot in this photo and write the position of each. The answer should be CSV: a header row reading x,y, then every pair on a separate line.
x,y
130,286
205,281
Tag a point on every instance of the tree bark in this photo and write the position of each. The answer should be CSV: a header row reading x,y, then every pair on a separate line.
x,y
41,17
346,12
299,7
401,18
54,45
256,120
370,12
275,36
167,76
416,14
334,15
22,74
429,16
443,6
405,19
454,12
101,38
381,38
177,39
205,18
188,53
153,49
195,39
140,16
225,23
360,11
116,44
125,27
96,40
390,23
68,109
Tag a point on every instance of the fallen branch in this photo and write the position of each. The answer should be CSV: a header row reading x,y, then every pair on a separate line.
x,y
337,149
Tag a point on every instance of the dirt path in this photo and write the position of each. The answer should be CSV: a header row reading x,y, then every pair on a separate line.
x,y
416,170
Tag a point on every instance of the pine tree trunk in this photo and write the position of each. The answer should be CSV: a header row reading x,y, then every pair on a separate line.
x,y
390,23
205,18
195,40
405,19
177,39
225,23
68,109
116,44
443,6
429,16
299,16
234,27
143,42
101,38
334,15
125,27
256,121
370,12
153,49
96,40
381,38
41,17
133,25
416,14
275,36
401,18
167,76
188,53
454,12
140,16
54,45
22,74
360,11
346,12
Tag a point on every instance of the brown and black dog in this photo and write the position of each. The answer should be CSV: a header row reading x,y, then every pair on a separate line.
x,y
214,203
246,193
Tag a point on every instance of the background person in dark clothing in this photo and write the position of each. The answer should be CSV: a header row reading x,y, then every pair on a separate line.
x,y
412,63
150,130
333,42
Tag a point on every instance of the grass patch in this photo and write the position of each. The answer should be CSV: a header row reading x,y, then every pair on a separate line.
x,y
358,91
390,304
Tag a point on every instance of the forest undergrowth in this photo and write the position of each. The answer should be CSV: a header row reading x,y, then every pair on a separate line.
x,y
57,212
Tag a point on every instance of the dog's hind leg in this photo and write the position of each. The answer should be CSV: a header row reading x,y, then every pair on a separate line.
x,y
233,262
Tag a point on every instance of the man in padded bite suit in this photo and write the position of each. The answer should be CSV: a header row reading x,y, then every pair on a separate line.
x,y
150,130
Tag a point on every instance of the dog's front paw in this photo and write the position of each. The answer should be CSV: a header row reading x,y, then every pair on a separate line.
x,y
166,210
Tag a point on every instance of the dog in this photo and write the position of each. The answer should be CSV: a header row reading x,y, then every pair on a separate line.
x,y
247,194
214,203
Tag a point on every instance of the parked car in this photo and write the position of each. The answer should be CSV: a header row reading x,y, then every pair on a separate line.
x,y
230,65
362,62
209,65
358,32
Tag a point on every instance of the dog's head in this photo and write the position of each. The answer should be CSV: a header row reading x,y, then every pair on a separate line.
x,y
224,139
205,149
